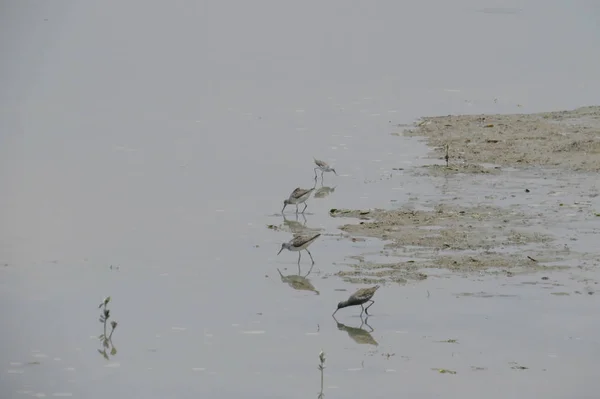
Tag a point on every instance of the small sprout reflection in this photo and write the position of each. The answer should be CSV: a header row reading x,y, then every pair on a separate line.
x,y
107,344
321,368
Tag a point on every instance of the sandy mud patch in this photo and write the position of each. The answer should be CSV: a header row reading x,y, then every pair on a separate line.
x,y
483,239
564,139
485,226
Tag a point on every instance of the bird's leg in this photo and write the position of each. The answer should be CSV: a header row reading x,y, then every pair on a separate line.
x,y
299,255
316,173
362,310
296,209
309,270
299,271
305,206
366,310
311,258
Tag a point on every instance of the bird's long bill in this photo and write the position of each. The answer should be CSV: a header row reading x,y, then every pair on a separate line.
x,y
282,209
281,249
334,171
333,314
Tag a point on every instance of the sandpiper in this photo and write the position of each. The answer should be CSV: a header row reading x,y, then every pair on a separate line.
x,y
298,196
323,167
299,243
361,296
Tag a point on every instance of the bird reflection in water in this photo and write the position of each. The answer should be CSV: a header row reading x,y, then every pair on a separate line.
x,y
298,228
359,335
294,225
298,282
323,191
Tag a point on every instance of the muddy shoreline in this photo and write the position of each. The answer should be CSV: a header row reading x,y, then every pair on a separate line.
x,y
568,140
481,238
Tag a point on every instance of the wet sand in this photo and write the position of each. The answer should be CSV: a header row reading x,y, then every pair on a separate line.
x,y
504,231
568,140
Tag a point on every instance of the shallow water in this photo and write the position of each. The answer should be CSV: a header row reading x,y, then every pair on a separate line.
x,y
163,140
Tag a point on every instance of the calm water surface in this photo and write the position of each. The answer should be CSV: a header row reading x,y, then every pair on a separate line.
x,y
162,139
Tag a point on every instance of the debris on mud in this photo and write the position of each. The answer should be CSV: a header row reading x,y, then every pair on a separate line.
x,y
516,366
564,139
445,227
479,224
466,168
448,341
371,273
460,239
444,371
361,214
487,261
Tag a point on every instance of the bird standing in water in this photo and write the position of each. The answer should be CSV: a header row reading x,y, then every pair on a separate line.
x,y
299,243
298,196
323,167
360,297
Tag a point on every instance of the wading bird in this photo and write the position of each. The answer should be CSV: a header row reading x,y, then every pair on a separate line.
x,y
299,243
360,297
298,196
323,167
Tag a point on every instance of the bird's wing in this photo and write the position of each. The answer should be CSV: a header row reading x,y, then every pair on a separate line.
x,y
300,240
365,292
320,163
299,192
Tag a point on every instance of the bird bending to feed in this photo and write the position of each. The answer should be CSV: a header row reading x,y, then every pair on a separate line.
x,y
298,196
361,296
298,244
323,167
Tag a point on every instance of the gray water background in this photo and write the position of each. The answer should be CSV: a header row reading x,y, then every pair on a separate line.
x,y
161,138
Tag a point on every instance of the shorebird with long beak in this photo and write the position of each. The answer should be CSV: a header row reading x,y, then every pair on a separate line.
x,y
299,243
323,167
361,296
298,196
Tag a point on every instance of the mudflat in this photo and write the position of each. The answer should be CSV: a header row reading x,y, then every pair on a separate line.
x,y
522,200
567,140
